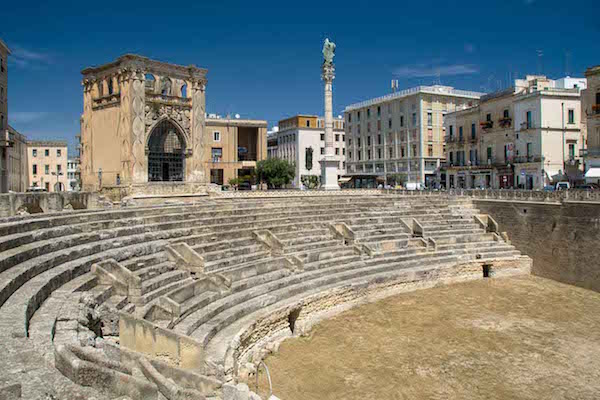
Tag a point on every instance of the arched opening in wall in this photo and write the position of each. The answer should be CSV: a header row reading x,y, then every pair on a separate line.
x,y
30,208
292,317
184,91
59,187
486,270
166,159
77,205
150,82
100,88
110,86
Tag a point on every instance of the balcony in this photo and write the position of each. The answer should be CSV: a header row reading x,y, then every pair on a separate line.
x,y
246,156
525,126
505,122
450,139
595,109
526,159
473,139
486,125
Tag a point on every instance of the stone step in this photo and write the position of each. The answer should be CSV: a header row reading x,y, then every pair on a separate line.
x,y
331,262
152,271
233,252
254,268
311,231
307,239
166,288
224,244
137,263
163,279
308,247
224,263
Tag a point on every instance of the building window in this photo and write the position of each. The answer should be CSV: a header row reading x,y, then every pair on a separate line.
x,y
391,151
528,150
358,141
571,116
379,153
337,151
414,149
368,154
451,130
349,117
368,140
473,131
46,169
571,150
460,133
429,119
402,152
216,154
430,150
359,155
358,116
414,119
528,119
344,151
34,170
34,152
337,138
343,138
368,113
58,168
401,120
322,137
505,113
216,176
349,141
47,153
350,155
217,136
322,150
489,155
378,139
488,117
378,111
389,124
58,152
368,127
308,123
378,125
47,186
451,157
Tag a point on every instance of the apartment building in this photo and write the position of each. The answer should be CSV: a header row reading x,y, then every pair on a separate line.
x,y
73,175
47,164
401,134
523,137
591,107
301,140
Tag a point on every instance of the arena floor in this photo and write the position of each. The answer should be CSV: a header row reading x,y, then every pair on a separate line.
x,y
511,338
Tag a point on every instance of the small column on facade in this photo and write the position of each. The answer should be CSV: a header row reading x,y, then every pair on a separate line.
x,y
330,162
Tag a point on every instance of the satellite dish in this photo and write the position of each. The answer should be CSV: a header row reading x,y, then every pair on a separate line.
x,y
237,116
339,117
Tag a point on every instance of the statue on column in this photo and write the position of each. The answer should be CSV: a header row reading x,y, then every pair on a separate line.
x,y
328,52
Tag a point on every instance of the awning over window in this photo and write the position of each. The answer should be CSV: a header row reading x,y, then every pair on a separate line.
x,y
344,179
593,173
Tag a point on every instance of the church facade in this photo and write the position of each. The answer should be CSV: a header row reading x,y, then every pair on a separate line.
x,y
144,121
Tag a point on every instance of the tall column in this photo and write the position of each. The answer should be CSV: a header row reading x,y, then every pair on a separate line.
x,y
195,165
330,162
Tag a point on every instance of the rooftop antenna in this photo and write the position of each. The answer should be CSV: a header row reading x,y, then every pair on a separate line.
x,y
540,54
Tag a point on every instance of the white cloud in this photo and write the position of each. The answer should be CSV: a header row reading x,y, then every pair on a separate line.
x,y
24,117
23,57
423,71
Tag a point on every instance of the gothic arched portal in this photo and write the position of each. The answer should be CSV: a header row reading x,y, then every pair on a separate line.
x,y
166,145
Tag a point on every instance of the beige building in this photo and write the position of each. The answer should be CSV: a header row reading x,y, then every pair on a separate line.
x,y
591,112
301,140
13,146
524,137
145,121
401,133
47,164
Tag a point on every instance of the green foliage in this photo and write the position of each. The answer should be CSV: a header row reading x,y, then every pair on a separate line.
x,y
311,181
396,179
275,172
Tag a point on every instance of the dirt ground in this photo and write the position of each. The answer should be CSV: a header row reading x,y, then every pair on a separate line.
x,y
511,338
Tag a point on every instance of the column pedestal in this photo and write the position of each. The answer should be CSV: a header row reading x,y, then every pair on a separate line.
x,y
329,168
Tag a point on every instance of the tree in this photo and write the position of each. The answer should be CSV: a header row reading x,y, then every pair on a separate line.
x,y
275,172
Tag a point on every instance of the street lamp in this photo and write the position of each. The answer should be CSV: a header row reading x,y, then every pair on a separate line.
x,y
57,174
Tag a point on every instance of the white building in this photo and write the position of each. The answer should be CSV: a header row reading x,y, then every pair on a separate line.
x,y
301,140
523,137
591,107
401,134
73,175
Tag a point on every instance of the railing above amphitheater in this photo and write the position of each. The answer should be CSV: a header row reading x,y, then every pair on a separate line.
x,y
508,194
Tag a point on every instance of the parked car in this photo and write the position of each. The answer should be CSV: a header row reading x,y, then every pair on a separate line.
x,y
563,186
589,186
36,189
414,186
245,186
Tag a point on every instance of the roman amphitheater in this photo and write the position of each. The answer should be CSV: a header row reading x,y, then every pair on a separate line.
x,y
188,300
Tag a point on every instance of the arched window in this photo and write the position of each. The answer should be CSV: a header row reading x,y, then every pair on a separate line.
x,y
150,82
184,91
165,153
100,88
110,86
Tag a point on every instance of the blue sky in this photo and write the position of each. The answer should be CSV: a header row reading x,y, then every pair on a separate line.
x,y
264,57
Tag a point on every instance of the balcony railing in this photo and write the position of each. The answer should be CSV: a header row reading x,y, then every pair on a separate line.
x,y
486,124
525,126
245,156
450,139
526,159
505,122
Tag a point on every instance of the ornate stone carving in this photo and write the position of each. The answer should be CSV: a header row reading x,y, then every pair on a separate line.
x,y
165,85
156,112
